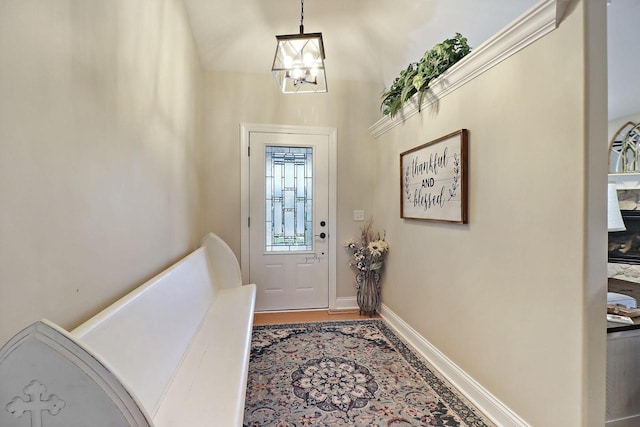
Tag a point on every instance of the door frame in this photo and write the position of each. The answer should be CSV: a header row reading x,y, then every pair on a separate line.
x,y
332,134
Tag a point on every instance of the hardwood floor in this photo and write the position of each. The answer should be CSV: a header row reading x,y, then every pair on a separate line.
x,y
306,316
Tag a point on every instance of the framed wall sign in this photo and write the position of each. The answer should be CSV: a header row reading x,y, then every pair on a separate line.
x,y
433,180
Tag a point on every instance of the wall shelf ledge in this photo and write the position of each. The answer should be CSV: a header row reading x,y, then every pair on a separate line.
x,y
534,24
626,181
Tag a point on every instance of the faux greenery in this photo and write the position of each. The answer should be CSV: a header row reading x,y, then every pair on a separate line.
x,y
418,75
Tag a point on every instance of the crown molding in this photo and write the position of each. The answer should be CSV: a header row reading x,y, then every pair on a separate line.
x,y
534,24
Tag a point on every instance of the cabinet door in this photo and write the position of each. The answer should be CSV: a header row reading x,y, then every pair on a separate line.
x,y
623,379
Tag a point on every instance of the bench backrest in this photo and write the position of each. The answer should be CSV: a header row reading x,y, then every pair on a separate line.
x,y
225,268
143,336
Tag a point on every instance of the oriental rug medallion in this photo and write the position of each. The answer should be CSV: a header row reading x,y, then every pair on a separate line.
x,y
355,373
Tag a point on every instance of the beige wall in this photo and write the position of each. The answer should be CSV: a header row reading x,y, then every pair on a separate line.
x,y
515,297
233,98
99,122
98,130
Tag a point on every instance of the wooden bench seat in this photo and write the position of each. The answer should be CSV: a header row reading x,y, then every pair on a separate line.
x,y
213,373
174,352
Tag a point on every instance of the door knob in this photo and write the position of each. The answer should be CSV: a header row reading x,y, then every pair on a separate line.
x,y
321,235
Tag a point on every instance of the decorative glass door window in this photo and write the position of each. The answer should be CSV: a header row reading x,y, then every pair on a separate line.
x,y
289,199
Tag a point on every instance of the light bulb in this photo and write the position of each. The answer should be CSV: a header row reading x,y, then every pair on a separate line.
x,y
297,73
308,60
288,62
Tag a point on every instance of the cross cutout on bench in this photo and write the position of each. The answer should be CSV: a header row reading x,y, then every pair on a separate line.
x,y
36,403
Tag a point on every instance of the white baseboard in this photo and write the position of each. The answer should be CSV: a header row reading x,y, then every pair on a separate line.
x,y
345,303
492,407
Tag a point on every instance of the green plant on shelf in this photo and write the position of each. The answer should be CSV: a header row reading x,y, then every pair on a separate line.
x,y
417,76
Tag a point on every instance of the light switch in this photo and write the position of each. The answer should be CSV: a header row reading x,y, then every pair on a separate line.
x,y
358,215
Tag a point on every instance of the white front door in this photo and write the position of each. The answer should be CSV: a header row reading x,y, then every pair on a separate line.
x,y
289,220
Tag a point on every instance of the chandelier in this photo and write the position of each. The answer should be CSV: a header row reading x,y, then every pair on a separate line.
x,y
298,65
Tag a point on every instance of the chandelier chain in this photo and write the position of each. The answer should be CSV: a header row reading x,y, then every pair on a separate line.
x,y
301,16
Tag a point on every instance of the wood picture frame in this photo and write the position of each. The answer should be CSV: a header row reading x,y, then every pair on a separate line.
x,y
433,180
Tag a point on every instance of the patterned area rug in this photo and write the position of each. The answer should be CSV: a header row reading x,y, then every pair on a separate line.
x,y
346,373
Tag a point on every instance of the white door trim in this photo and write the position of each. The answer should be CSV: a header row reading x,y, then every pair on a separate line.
x,y
332,134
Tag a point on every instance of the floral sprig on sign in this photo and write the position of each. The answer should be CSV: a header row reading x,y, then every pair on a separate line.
x,y
368,253
456,176
407,182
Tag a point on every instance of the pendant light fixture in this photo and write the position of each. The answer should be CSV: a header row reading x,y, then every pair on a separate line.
x,y
298,65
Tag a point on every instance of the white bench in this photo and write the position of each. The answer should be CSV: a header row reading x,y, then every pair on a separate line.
x,y
174,352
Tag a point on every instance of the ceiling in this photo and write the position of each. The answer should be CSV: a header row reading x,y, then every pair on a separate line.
x,y
372,40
